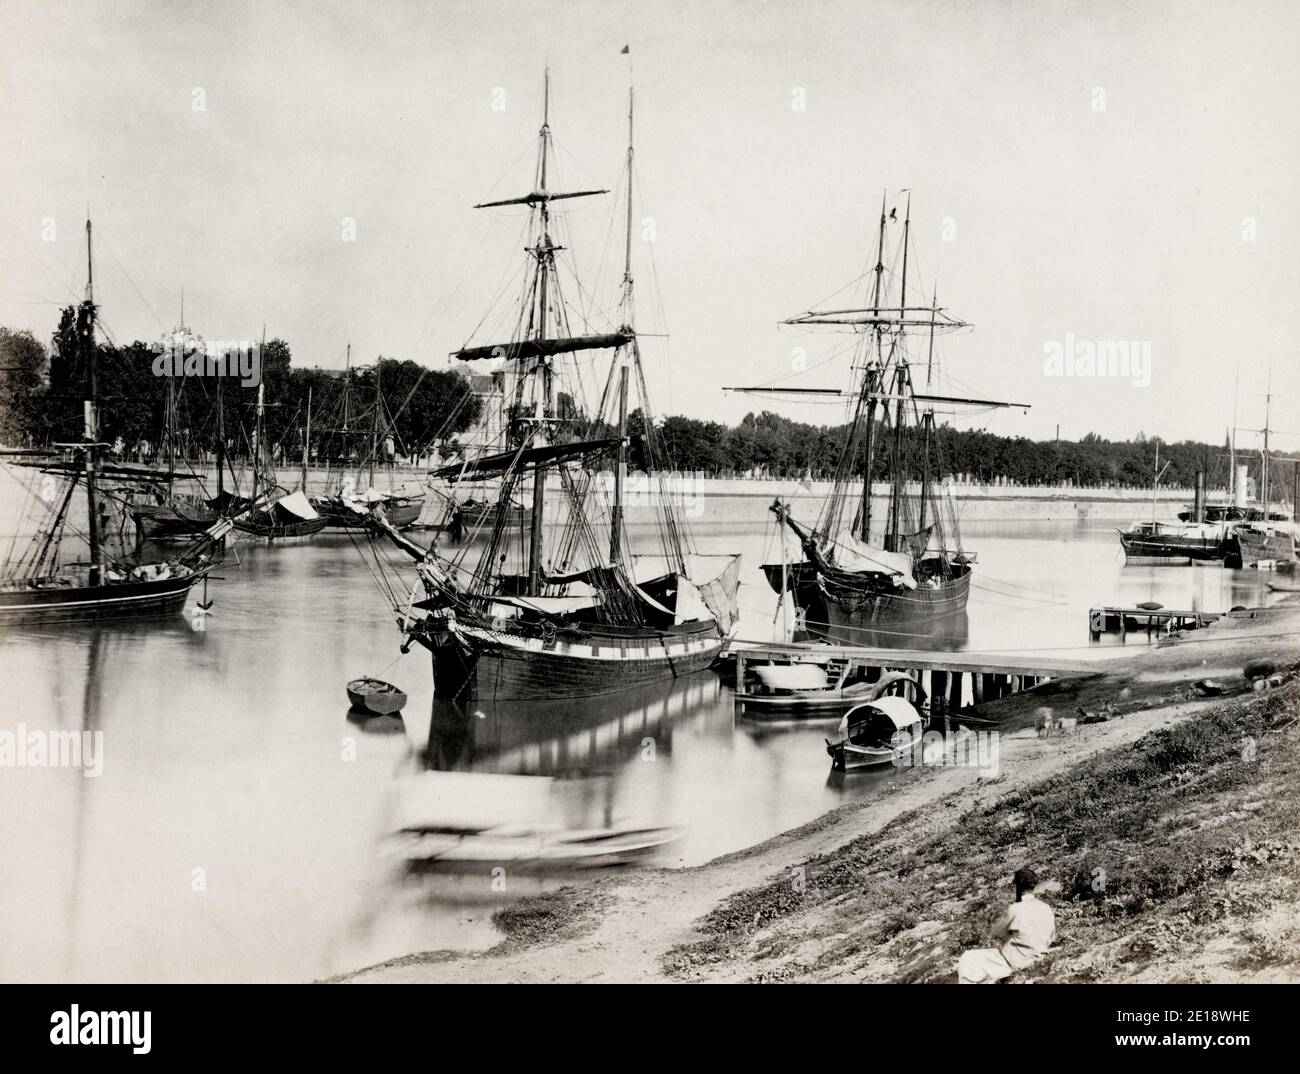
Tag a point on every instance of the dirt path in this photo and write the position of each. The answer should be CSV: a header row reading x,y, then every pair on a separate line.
x,y
621,927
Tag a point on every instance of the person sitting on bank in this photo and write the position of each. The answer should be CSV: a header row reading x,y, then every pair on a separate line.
x,y
1027,929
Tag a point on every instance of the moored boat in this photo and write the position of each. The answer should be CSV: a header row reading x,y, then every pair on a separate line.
x,y
875,734
565,610
375,696
38,587
910,572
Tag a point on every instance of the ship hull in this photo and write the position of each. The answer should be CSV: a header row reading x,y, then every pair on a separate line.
x,y
848,608
118,600
1172,548
280,533
494,664
1256,547
400,515
164,523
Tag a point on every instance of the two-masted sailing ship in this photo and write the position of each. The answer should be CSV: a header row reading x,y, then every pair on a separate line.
x,y
38,585
346,502
863,568
563,608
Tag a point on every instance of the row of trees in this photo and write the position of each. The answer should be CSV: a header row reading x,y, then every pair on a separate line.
x,y
774,446
42,391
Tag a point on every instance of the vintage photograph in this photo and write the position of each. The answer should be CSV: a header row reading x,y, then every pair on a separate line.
x,y
737,491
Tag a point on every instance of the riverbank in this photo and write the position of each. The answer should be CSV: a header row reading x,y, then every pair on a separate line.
x,y
1166,832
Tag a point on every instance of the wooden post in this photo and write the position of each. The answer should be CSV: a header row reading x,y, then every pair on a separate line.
x,y
954,692
939,694
740,671
977,687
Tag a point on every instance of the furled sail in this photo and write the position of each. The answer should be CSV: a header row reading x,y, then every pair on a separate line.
x,y
541,348
489,465
848,553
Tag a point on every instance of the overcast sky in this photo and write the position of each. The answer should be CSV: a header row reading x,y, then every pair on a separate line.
x,y
1102,170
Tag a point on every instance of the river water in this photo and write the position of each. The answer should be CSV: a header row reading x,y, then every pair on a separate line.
x,y
238,830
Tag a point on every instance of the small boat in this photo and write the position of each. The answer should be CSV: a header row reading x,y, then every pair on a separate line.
x,y
1284,587
473,818
876,733
375,696
815,686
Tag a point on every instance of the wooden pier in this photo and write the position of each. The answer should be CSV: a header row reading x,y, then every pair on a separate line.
x,y
945,681
1107,617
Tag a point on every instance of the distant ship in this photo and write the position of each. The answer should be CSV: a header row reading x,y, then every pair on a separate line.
x,y
38,587
858,571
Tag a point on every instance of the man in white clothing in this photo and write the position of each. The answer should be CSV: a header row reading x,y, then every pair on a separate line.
x,y
1027,929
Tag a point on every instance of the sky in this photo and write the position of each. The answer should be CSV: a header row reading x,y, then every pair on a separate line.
x,y
1078,172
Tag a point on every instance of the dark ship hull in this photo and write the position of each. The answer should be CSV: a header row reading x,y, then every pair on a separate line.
x,y
276,532
841,601
402,512
492,663
1255,546
113,600
1139,545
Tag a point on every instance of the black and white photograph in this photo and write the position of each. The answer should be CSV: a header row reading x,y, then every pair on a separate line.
x,y
735,492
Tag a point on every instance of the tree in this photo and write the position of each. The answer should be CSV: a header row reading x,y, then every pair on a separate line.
x,y
24,366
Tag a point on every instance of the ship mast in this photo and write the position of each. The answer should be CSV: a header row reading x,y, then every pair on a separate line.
x,y
544,252
900,387
620,459
91,418
869,380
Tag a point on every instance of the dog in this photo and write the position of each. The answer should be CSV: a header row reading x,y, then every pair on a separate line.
x,y
1043,721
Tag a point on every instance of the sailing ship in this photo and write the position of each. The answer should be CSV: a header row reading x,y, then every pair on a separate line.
x,y
577,614
860,571
279,515
161,512
1201,534
38,587
1269,538
345,507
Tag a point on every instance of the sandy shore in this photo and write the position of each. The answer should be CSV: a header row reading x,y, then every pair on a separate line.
x,y
1141,822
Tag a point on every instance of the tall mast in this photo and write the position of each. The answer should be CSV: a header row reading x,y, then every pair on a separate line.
x,y
221,445
929,414
869,381
620,472
901,380
257,430
1263,481
306,441
374,425
545,256
627,261
91,418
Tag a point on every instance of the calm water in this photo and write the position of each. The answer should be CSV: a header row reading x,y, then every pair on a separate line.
x,y
238,828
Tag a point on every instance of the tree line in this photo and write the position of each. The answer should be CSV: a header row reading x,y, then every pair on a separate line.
x,y
395,403
422,410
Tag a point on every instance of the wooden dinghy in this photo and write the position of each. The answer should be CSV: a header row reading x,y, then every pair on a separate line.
x,y
874,734
1284,587
375,696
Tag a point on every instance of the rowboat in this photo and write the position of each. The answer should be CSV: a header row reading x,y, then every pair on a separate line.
x,y
476,818
814,686
874,734
375,696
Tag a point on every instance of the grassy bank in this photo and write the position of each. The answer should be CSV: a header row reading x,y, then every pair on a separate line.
x,y
1155,854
